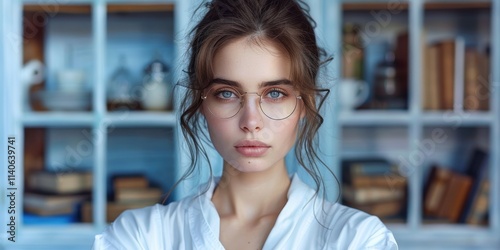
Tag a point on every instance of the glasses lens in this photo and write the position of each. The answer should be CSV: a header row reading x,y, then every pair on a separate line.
x,y
223,101
277,102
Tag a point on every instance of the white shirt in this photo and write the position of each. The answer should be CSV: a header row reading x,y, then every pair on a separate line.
x,y
193,223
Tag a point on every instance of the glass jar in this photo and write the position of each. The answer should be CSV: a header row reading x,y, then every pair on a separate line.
x,y
155,88
120,86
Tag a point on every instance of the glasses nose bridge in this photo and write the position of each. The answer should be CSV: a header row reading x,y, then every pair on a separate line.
x,y
243,97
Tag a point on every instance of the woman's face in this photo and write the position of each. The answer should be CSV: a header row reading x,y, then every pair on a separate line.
x,y
250,141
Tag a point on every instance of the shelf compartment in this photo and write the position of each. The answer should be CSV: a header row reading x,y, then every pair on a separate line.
x,y
146,153
454,175
140,118
57,175
57,119
457,41
374,117
375,51
134,39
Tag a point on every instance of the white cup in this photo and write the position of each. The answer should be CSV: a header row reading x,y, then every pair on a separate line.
x,y
71,80
352,93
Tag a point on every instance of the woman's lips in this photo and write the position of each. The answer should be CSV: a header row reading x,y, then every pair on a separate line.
x,y
251,148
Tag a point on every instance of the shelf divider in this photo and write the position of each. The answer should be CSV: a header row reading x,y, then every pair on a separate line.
x,y
99,99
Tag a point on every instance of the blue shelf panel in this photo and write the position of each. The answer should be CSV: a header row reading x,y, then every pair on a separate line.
x,y
74,234
58,119
457,119
372,117
141,118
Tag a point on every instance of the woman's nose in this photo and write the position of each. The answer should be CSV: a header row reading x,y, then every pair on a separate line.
x,y
251,114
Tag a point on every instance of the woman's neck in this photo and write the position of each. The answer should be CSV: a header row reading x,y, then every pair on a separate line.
x,y
250,196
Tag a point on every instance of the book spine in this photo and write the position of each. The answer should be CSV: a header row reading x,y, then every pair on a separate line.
x,y
458,105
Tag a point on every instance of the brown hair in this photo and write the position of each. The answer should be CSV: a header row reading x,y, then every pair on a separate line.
x,y
287,24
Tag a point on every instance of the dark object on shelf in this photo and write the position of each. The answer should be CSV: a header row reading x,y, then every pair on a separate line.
x,y
477,203
352,52
390,87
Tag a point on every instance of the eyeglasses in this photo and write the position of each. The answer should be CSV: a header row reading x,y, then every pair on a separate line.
x,y
276,102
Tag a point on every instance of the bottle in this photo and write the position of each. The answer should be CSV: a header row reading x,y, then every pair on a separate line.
x,y
155,88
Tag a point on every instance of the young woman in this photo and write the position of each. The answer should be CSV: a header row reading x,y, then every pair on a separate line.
x,y
252,85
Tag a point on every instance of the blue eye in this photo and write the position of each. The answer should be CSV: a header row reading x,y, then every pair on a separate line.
x,y
275,94
225,94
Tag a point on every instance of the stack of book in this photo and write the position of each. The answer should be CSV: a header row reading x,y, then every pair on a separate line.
x,y
455,77
56,193
455,197
131,191
374,186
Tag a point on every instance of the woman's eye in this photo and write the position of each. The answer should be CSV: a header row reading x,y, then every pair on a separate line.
x,y
225,94
275,94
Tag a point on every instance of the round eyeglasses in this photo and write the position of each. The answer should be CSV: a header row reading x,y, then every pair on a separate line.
x,y
277,102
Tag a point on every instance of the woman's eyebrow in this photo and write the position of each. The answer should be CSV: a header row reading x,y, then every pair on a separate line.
x,y
263,84
276,82
225,81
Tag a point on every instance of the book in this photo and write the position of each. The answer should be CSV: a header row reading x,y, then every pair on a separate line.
x,y
431,90
45,205
371,194
471,79
483,83
446,67
380,209
443,80
435,190
129,181
371,172
60,183
458,77
455,195
148,194
113,209
479,210
49,212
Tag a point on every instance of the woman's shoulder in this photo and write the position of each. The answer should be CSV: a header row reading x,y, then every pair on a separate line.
x,y
158,211
359,229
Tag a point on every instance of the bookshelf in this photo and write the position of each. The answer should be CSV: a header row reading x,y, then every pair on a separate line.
x,y
399,134
390,134
93,28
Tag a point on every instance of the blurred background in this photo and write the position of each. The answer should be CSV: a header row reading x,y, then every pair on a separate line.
x,y
412,126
